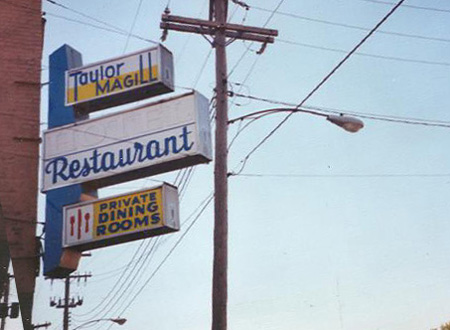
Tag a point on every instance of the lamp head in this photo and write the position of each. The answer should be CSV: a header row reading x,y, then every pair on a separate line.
x,y
119,321
350,124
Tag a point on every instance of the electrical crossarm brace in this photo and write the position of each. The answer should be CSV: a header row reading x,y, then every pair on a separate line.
x,y
204,27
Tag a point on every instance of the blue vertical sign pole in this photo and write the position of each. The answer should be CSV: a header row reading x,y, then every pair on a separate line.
x,y
62,59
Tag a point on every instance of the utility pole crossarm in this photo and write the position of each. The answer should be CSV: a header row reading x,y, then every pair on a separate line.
x,y
44,325
215,25
199,26
211,31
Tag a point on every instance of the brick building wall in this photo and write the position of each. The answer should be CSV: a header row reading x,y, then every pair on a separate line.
x,y
21,36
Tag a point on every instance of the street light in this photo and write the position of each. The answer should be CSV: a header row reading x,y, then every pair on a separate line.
x,y
118,320
348,123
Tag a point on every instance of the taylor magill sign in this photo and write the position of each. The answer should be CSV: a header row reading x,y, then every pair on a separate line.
x,y
154,138
121,218
120,80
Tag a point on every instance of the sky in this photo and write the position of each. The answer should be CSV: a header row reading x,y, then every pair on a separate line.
x,y
327,229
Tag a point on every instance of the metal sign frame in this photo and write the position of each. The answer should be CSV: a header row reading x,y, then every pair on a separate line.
x,y
109,221
117,87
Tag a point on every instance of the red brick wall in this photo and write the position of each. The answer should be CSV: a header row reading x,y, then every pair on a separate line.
x,y
20,68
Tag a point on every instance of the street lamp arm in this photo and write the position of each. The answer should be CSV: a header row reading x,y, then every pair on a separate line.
x,y
276,110
348,123
118,320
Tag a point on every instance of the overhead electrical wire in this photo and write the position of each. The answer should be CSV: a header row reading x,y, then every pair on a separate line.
x,y
318,86
108,26
188,178
189,172
384,57
92,18
134,280
158,268
205,205
116,284
202,206
116,31
295,43
132,25
374,116
123,33
349,26
290,42
131,278
190,35
268,175
130,289
249,72
248,49
409,6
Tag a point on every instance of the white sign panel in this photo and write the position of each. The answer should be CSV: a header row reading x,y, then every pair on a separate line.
x,y
120,80
155,138
117,219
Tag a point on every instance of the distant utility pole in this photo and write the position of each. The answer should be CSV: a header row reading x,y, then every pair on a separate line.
x,y
6,300
219,29
68,302
7,309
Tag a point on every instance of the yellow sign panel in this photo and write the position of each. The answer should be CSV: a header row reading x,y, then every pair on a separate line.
x,y
128,213
83,90
122,218
120,80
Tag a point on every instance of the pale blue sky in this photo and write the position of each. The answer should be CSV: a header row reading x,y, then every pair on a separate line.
x,y
348,237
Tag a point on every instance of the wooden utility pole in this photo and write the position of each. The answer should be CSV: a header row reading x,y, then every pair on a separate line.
x,y
68,302
220,266
218,27
66,305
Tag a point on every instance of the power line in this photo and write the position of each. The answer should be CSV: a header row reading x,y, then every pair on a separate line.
x,y
188,39
132,25
132,283
409,6
248,49
268,175
116,31
129,279
185,175
203,206
202,69
113,287
392,58
112,28
89,17
206,202
252,67
373,116
349,26
320,84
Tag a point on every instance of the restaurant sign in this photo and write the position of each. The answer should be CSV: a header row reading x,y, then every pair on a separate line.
x,y
123,218
120,80
151,139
